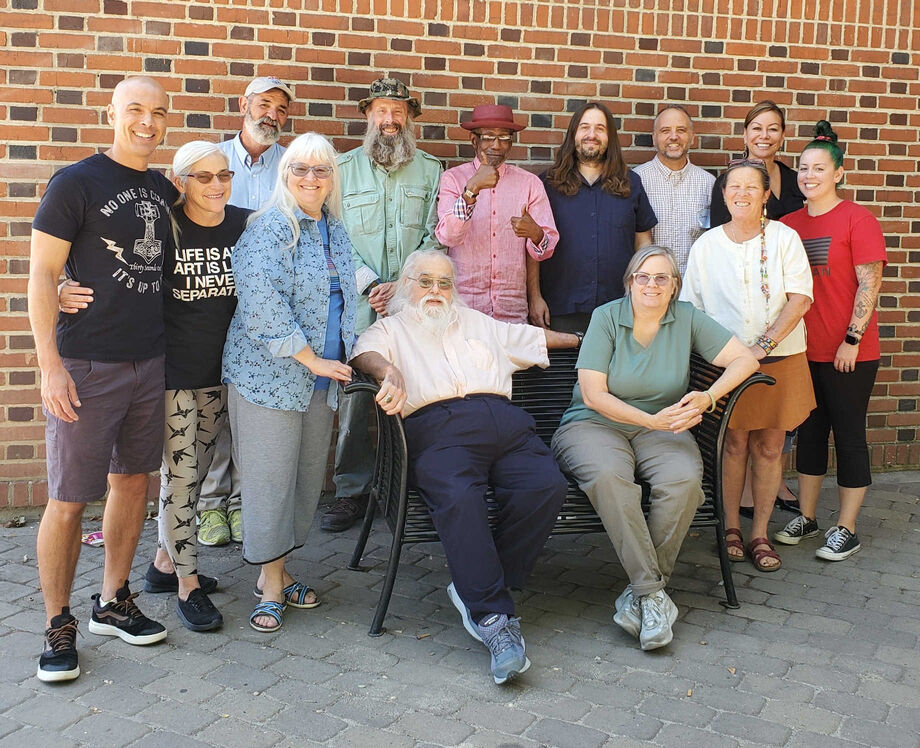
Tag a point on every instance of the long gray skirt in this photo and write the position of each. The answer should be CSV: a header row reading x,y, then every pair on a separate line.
x,y
282,458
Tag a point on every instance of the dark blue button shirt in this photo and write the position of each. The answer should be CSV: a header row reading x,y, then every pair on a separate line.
x,y
597,236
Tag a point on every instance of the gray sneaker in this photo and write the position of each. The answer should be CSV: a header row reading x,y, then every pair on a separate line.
x,y
629,612
468,623
502,635
796,530
658,615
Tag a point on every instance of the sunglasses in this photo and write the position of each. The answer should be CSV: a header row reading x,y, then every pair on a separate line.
x,y
643,279
206,177
755,162
320,172
426,281
489,139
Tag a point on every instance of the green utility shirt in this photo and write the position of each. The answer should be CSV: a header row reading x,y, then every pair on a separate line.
x,y
647,378
388,216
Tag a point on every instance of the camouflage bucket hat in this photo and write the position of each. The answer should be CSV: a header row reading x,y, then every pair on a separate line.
x,y
390,88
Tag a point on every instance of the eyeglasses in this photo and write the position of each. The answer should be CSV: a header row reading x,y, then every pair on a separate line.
x,y
661,279
206,177
320,172
489,139
426,281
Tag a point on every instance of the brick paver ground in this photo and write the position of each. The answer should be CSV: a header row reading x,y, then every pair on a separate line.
x,y
818,654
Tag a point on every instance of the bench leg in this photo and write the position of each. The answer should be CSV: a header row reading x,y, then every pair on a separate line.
x,y
389,580
731,599
355,564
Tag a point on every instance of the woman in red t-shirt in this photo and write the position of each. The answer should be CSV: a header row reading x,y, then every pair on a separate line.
x,y
846,249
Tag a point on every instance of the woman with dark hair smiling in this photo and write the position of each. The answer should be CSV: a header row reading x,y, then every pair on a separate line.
x,y
846,250
764,133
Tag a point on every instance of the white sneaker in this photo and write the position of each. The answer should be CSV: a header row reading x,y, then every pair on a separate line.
x,y
658,615
629,612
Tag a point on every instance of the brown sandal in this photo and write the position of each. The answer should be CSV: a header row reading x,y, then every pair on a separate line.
x,y
759,553
734,540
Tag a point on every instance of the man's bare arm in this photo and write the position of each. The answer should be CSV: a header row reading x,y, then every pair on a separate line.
x,y
392,395
561,339
47,258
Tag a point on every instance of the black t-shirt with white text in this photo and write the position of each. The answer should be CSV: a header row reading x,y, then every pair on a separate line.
x,y
117,222
199,298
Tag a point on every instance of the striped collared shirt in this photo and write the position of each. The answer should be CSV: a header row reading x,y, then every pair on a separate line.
x,y
678,198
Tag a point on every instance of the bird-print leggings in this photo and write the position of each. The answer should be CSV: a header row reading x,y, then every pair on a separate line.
x,y
193,422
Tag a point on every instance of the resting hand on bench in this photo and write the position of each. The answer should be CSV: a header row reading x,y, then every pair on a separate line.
x,y
392,395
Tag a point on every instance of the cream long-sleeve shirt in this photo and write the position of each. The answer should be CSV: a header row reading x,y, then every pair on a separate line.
x,y
476,354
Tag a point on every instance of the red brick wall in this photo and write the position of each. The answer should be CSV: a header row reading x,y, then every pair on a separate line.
x,y
850,61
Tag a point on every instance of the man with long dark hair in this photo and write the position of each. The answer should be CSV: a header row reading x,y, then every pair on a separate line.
x,y
603,216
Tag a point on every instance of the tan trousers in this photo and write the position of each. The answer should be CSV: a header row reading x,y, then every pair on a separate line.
x,y
606,461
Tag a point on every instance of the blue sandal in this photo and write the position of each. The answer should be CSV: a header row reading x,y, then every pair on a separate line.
x,y
294,595
267,608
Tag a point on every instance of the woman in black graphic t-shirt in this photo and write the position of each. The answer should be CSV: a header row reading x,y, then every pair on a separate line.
x,y
199,301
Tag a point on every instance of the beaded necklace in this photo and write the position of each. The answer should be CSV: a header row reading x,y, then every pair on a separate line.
x,y
764,279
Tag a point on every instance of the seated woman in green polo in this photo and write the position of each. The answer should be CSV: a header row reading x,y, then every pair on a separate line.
x,y
630,415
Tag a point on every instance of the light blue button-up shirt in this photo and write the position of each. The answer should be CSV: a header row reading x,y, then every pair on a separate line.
x,y
252,182
283,306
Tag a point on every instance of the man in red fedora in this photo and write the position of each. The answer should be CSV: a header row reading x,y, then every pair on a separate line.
x,y
495,220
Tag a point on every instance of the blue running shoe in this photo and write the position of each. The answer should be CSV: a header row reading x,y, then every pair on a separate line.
x,y
502,635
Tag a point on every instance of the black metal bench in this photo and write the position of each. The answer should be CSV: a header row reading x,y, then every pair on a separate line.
x,y
545,394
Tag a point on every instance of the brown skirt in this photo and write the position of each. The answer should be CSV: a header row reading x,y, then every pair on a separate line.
x,y
783,405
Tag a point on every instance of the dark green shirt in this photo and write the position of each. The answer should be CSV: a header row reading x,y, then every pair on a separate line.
x,y
647,378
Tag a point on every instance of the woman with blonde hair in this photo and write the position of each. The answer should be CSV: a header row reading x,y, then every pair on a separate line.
x,y
293,328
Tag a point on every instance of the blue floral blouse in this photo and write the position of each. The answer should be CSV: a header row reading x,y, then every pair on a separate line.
x,y
283,307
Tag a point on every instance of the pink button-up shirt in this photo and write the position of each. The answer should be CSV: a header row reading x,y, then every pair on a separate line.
x,y
490,258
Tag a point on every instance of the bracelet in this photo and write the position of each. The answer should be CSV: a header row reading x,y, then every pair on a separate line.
x,y
580,336
767,343
712,400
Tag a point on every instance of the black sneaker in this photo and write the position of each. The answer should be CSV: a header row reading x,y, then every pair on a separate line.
x,y
59,660
159,581
122,618
796,530
839,545
198,612
343,513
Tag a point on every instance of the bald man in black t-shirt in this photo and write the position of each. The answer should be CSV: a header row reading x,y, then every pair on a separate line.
x,y
105,219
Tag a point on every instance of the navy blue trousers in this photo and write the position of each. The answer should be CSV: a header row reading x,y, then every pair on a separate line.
x,y
457,448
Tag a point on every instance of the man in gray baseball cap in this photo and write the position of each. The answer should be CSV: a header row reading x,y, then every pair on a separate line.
x,y
253,155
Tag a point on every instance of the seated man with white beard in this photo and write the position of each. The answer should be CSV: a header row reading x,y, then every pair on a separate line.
x,y
447,370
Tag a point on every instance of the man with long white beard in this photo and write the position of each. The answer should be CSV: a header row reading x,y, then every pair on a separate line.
x,y
389,197
447,370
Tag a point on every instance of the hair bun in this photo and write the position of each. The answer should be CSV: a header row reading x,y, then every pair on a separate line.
x,y
824,131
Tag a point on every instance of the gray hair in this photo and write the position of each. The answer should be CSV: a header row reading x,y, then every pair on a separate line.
x,y
401,299
310,145
183,161
189,155
639,258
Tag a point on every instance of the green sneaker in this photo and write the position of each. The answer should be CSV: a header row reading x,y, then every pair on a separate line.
x,y
213,528
235,520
